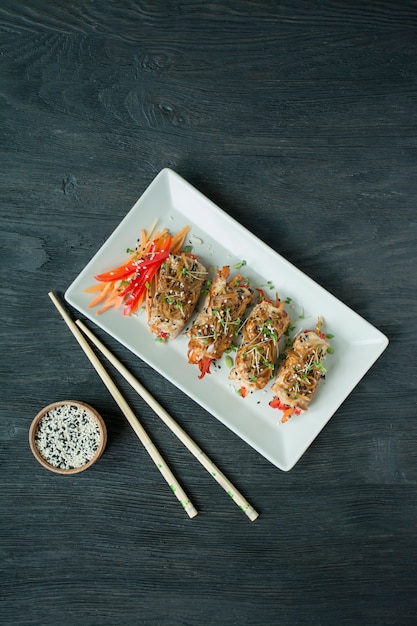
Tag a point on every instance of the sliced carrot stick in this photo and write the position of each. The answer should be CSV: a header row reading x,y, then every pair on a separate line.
x,y
287,414
112,302
108,287
178,239
94,288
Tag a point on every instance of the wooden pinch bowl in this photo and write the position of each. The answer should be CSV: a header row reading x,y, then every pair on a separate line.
x,y
67,437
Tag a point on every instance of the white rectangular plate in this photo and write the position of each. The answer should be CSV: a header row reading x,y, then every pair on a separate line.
x,y
219,240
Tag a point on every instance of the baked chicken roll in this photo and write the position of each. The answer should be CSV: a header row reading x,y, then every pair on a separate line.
x,y
178,289
219,319
301,372
257,354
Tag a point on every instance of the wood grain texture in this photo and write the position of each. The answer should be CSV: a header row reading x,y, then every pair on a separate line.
x,y
298,119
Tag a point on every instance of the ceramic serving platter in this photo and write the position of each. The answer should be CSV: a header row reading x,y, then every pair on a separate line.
x,y
218,240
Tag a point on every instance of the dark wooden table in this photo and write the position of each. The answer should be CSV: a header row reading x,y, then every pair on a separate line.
x,y
299,120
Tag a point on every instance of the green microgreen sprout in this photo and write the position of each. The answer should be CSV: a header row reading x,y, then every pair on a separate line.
x,y
213,336
317,366
206,288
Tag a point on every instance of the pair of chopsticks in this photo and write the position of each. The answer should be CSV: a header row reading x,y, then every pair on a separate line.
x,y
159,410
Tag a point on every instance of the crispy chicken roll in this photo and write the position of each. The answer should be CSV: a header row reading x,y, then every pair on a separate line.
x,y
257,354
300,374
219,320
178,289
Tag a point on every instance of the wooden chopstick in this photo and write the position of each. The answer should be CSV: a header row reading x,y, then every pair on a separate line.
x,y
128,413
173,426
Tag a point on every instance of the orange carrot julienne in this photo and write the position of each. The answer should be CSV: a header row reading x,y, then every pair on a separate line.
x,y
110,304
287,414
94,288
178,239
123,285
108,287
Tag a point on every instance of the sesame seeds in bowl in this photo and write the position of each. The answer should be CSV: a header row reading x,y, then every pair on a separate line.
x,y
67,437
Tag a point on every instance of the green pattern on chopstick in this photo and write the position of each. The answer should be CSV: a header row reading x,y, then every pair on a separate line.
x,y
125,408
220,478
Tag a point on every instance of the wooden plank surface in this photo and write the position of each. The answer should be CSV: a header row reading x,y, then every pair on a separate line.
x,y
298,119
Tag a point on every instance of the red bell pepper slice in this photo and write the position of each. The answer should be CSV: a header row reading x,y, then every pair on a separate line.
x,y
136,290
204,366
277,404
155,258
287,410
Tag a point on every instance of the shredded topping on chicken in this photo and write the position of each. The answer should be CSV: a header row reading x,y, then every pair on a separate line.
x,y
179,286
219,320
302,370
256,357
